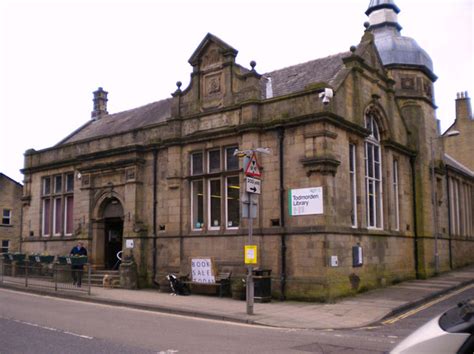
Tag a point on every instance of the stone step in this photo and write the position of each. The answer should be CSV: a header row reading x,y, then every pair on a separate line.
x,y
101,275
103,272
97,278
101,278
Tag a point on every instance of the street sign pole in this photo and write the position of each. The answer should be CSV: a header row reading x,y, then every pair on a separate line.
x,y
253,186
250,287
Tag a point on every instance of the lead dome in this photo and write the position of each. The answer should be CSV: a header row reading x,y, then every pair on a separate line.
x,y
395,49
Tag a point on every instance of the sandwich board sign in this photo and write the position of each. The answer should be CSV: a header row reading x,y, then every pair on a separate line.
x,y
202,270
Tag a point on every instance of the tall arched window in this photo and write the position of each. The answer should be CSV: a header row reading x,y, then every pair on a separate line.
x,y
373,175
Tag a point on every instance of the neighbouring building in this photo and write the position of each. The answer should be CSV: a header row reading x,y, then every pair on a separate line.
x,y
459,161
459,145
10,206
357,129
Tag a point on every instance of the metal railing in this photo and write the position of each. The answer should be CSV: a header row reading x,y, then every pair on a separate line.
x,y
49,276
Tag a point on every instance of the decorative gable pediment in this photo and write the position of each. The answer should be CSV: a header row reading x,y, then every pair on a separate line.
x,y
368,51
217,81
367,55
212,52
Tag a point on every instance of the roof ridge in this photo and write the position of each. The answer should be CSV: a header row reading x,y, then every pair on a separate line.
x,y
122,121
306,62
11,179
135,108
460,165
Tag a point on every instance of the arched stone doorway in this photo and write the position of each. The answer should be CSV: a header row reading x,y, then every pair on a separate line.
x,y
109,233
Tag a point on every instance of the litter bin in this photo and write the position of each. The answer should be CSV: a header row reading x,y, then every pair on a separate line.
x,y
262,285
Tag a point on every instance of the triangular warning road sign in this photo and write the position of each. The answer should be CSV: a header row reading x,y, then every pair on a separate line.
x,y
253,170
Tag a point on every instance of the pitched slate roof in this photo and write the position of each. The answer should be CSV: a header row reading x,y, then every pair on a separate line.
x,y
451,161
298,77
284,81
122,122
2,175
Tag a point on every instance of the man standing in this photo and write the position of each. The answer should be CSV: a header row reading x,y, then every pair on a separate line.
x,y
78,269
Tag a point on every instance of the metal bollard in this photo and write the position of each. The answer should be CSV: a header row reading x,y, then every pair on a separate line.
x,y
55,277
26,274
89,272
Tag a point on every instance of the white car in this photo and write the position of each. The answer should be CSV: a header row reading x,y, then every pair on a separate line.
x,y
451,332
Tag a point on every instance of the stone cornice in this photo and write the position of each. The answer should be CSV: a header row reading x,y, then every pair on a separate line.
x,y
85,158
271,125
321,164
398,147
204,136
104,166
417,98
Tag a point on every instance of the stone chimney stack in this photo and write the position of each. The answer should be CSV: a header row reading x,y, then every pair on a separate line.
x,y
100,104
463,106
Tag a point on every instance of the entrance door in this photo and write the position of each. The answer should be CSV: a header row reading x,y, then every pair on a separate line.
x,y
113,241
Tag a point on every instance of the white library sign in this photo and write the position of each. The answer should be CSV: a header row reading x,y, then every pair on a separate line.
x,y
305,201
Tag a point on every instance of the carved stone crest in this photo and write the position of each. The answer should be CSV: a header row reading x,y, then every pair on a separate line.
x,y
213,84
427,88
408,83
130,174
86,180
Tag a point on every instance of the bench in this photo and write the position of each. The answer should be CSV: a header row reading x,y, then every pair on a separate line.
x,y
221,286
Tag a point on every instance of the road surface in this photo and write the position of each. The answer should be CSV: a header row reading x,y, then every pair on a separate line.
x,y
40,324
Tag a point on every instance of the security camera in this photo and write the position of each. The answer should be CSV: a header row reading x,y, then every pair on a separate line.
x,y
326,95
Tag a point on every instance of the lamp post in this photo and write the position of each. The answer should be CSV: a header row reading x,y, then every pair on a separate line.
x,y
434,196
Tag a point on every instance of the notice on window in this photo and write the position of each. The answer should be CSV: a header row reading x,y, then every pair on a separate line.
x,y
305,201
202,270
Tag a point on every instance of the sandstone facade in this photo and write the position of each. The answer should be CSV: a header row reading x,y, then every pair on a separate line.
x,y
165,177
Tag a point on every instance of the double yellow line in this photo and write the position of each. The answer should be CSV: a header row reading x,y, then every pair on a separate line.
x,y
425,306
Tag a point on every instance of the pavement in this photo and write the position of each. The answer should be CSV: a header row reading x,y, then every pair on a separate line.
x,y
361,310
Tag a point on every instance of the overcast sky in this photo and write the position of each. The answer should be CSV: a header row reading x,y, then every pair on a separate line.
x,y
54,54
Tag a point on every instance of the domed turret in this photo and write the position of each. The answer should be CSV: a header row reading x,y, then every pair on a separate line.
x,y
395,49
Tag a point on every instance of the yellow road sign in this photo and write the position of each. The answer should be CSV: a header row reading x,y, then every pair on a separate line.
x,y
250,254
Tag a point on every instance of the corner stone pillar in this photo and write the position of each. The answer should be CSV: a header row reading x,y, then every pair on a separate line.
x,y
128,271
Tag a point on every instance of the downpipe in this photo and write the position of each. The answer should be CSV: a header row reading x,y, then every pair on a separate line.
x,y
415,218
155,201
281,138
449,222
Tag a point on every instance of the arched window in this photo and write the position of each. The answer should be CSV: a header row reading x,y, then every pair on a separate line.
x,y
373,174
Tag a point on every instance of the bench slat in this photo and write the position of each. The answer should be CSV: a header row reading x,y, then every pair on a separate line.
x,y
222,283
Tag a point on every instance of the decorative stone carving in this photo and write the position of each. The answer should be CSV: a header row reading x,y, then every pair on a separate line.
x,y
211,58
86,179
408,83
427,89
212,84
130,174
